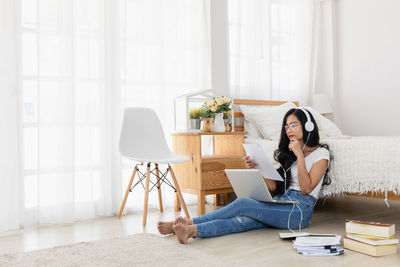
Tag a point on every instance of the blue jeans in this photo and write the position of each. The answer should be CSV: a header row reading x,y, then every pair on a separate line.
x,y
245,214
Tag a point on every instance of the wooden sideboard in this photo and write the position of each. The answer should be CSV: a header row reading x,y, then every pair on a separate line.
x,y
205,175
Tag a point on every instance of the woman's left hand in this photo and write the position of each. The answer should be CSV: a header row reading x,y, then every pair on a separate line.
x,y
294,146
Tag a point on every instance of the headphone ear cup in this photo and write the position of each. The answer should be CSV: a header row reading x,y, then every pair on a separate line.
x,y
309,126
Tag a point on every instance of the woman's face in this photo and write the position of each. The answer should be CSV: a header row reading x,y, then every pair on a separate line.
x,y
293,127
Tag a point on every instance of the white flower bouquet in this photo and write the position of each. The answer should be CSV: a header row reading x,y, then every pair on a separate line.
x,y
219,104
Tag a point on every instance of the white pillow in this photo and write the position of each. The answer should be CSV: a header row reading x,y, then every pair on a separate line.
x,y
267,118
252,130
326,128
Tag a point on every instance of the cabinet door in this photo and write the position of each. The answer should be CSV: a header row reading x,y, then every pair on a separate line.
x,y
229,145
187,173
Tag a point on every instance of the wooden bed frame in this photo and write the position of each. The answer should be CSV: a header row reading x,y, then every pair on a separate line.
x,y
238,126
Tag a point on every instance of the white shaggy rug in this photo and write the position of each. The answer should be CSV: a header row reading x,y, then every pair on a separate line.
x,y
134,250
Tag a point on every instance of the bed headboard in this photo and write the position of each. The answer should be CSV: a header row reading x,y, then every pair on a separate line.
x,y
238,118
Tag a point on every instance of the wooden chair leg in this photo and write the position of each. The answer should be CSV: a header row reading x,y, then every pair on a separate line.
x,y
121,208
160,204
146,195
177,203
178,191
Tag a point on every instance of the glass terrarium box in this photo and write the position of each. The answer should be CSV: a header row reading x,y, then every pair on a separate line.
x,y
187,109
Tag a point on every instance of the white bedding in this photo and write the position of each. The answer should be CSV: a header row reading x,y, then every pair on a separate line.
x,y
359,165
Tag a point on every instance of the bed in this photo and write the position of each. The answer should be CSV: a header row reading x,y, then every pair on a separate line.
x,y
366,166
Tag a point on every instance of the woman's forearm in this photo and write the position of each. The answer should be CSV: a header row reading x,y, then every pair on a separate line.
x,y
304,177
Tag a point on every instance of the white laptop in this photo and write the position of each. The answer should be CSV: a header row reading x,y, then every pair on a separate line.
x,y
249,183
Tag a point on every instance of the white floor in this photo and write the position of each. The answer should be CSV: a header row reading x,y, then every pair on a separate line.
x,y
253,247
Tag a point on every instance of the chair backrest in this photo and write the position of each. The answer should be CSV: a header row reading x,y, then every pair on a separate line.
x,y
142,136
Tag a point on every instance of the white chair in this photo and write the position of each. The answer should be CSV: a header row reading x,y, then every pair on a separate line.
x,y
142,140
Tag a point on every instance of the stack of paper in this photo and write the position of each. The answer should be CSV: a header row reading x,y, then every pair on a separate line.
x,y
314,245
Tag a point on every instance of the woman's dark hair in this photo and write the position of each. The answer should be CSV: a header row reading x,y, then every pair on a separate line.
x,y
286,158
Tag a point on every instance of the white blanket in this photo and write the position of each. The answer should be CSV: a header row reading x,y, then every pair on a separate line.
x,y
359,165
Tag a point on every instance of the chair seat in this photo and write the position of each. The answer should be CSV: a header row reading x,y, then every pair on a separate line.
x,y
172,159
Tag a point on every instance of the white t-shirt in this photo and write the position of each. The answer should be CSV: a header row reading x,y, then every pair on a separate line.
x,y
315,156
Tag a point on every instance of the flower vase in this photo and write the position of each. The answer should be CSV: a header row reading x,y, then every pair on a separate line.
x,y
219,125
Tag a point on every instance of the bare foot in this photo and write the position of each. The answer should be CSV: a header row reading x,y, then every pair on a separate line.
x,y
165,228
183,232
183,220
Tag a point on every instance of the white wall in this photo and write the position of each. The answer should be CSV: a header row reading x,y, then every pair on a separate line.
x,y
366,61
367,93
219,47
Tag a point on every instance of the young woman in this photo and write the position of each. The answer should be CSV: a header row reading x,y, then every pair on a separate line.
x,y
304,164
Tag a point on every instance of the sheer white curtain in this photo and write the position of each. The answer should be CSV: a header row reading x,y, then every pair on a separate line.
x,y
64,100
81,62
271,48
10,189
165,53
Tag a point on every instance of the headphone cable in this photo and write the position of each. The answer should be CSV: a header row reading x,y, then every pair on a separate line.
x,y
285,193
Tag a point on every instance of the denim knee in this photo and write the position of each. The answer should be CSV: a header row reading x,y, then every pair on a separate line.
x,y
242,201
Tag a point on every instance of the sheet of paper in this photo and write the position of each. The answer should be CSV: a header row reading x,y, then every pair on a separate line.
x,y
311,241
292,235
263,164
319,254
323,249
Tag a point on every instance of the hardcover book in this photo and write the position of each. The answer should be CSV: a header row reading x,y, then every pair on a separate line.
x,y
370,228
373,240
369,249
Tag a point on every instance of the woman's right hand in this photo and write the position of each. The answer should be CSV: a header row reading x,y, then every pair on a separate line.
x,y
250,164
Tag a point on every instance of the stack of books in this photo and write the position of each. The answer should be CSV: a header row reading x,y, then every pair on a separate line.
x,y
371,238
